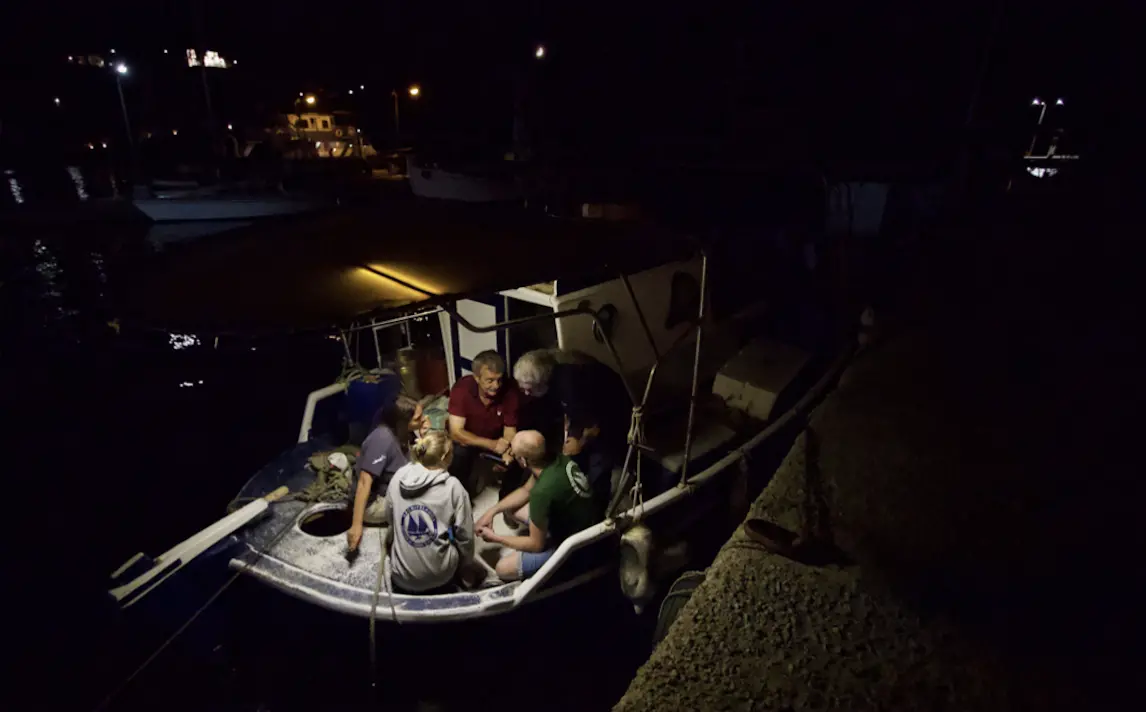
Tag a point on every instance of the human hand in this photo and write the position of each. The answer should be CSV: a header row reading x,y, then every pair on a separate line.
x,y
488,534
485,521
353,537
507,457
501,446
572,447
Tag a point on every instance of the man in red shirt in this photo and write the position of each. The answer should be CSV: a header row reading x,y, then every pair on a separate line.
x,y
482,415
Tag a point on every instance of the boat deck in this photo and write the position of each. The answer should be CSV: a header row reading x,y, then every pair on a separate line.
x,y
325,556
315,568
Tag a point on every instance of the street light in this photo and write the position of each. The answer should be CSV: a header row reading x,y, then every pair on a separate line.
x,y
539,52
310,100
414,91
120,72
56,101
1042,113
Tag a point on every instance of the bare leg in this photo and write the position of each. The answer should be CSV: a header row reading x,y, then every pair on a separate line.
x,y
508,566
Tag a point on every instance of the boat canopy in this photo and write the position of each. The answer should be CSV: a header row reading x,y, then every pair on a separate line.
x,y
330,270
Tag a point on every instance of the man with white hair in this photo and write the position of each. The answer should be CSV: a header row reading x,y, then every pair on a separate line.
x,y
556,502
580,404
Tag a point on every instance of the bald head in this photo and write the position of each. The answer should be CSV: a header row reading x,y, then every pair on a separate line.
x,y
529,445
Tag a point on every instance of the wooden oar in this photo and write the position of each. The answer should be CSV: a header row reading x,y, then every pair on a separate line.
x,y
184,552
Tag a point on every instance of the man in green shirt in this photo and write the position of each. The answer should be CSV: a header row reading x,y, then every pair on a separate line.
x,y
556,502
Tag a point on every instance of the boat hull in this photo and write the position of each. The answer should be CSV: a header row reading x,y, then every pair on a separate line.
x,y
206,209
436,183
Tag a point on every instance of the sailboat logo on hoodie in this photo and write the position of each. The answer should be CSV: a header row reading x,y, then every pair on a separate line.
x,y
419,525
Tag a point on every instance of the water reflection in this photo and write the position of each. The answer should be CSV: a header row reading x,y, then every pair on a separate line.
x,y
14,188
78,179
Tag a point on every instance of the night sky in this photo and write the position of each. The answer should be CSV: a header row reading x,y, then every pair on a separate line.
x,y
865,78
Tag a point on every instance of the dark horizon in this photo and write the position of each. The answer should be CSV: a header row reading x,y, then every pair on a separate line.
x,y
866,81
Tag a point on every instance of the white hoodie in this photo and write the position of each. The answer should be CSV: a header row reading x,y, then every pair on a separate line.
x,y
433,527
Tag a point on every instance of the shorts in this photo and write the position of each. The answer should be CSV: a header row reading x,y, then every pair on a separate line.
x,y
530,563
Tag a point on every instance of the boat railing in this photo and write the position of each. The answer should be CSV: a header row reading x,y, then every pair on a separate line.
x,y
311,402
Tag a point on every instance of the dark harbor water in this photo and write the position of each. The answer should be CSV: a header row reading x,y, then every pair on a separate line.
x,y
132,439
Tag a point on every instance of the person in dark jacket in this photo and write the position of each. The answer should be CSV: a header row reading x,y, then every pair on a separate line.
x,y
580,404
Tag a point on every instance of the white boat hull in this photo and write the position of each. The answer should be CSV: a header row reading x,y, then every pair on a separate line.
x,y
429,182
186,210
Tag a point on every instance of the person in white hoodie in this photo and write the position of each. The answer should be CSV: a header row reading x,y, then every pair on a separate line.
x,y
431,534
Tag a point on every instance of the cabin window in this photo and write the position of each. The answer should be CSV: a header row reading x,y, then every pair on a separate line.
x,y
541,334
326,124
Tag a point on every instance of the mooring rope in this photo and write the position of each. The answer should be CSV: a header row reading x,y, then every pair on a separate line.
x,y
382,556
637,443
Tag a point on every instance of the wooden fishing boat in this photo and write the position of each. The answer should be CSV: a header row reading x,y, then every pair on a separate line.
x,y
715,400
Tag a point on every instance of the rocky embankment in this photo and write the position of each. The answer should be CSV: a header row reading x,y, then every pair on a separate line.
x,y
978,567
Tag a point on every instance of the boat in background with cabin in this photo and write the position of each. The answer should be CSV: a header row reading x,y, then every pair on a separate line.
x,y
311,152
